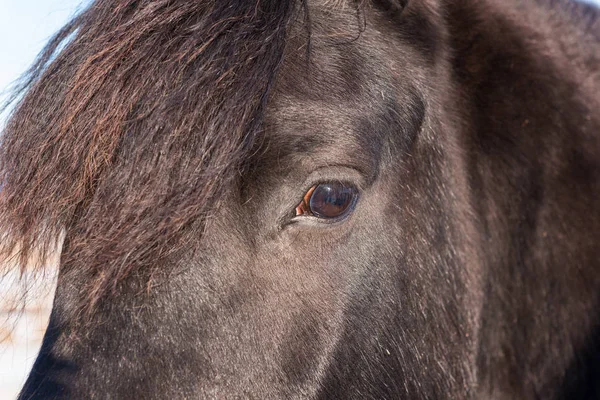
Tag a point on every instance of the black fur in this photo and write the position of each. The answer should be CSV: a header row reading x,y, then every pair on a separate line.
x,y
171,142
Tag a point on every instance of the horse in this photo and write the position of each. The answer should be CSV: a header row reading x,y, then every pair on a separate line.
x,y
313,199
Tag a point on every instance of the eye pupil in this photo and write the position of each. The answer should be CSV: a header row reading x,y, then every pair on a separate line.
x,y
331,200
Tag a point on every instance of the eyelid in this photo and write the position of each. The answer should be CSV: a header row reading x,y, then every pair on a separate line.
x,y
334,173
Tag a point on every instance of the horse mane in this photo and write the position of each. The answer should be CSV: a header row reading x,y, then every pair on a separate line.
x,y
134,121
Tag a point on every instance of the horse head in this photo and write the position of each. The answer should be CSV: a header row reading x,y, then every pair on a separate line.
x,y
313,199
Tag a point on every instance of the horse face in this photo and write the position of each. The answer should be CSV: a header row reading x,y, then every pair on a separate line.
x,y
306,199
280,297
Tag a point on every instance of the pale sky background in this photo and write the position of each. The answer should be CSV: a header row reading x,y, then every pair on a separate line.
x,y
25,26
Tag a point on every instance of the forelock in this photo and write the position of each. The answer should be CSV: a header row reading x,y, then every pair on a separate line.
x,y
134,130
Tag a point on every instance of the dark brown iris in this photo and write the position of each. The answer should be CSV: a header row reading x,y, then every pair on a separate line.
x,y
327,200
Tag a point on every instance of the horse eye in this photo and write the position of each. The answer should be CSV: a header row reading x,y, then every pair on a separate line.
x,y
328,200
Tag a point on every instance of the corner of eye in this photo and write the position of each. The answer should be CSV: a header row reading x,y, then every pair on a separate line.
x,y
288,220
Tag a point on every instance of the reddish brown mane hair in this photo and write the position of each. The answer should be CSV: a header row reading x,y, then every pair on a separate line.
x,y
135,120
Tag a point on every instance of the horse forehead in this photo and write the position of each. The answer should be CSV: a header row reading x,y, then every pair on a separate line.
x,y
333,55
311,133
